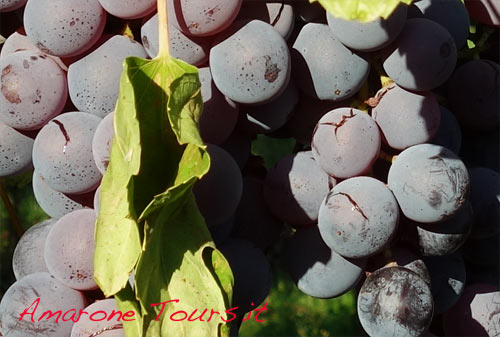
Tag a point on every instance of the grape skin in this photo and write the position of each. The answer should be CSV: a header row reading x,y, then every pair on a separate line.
x,y
28,254
190,49
278,14
485,200
253,220
252,65
62,153
52,202
91,89
86,327
448,276
101,143
69,249
53,296
429,181
34,90
129,9
295,188
219,191
251,271
449,134
474,95
64,28
326,68
316,269
338,139
484,11
451,14
18,42
447,236
395,301
202,18
368,36
358,217
219,115
406,118
476,313
11,5
422,57
15,151
271,116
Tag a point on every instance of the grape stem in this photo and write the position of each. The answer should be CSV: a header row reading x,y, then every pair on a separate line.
x,y
163,35
11,211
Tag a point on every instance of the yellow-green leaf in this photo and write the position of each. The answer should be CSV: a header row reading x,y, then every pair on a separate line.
x,y
361,10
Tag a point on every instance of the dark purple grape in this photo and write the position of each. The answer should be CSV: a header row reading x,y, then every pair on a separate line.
x,y
484,11
93,90
485,200
368,36
251,271
451,14
219,115
447,275
395,301
278,14
483,252
85,327
477,313
447,236
316,269
253,221
238,145
271,116
34,90
295,188
52,202
252,65
69,249
406,118
481,149
358,217
28,255
15,151
324,67
62,27
306,115
403,257
190,49
308,12
219,191
202,18
346,142
474,95
11,5
18,42
101,142
128,9
429,181
422,57
53,296
449,134
62,153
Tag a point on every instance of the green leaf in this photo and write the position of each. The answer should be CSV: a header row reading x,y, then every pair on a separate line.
x,y
149,219
361,10
272,149
125,301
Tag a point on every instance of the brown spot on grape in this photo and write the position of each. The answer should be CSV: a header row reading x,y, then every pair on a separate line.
x,y
9,85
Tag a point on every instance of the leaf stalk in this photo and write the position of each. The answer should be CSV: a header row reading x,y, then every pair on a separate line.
x,y
163,33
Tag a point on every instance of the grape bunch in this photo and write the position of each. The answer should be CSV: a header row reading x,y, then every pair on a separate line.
x,y
392,187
